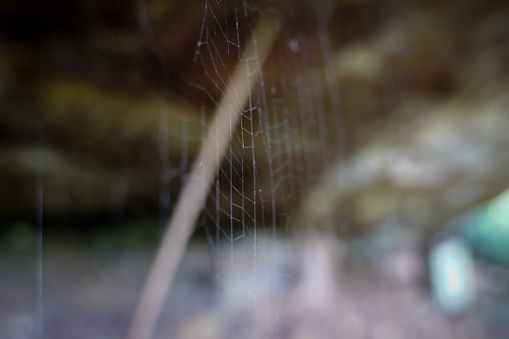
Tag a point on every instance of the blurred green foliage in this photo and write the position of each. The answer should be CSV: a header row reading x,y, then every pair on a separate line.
x,y
487,229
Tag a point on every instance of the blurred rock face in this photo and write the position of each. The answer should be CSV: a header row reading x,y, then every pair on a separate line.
x,y
441,162
369,112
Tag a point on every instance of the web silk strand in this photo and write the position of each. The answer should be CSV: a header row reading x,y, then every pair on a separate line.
x,y
192,199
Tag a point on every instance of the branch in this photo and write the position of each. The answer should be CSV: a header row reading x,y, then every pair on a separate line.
x,y
204,170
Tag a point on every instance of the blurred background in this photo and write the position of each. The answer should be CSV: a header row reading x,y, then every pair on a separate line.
x,y
363,193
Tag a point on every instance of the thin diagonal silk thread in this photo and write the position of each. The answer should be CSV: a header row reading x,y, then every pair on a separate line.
x,y
204,170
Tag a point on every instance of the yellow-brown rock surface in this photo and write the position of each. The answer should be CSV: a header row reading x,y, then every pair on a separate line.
x,y
386,110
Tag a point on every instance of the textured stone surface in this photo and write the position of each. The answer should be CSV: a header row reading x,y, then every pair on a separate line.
x,y
106,102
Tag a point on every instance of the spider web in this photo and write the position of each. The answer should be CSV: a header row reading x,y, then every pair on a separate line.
x,y
286,134
129,95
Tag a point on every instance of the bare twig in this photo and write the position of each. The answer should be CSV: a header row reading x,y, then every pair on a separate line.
x,y
192,199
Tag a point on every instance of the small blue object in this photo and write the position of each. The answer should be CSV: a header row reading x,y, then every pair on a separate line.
x,y
452,276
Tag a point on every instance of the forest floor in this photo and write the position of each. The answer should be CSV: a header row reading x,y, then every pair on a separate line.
x,y
262,291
